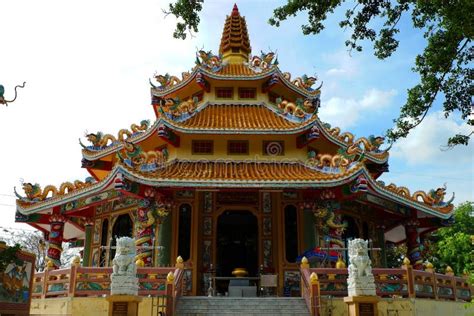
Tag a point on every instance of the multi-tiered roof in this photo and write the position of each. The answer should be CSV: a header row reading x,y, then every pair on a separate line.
x,y
157,154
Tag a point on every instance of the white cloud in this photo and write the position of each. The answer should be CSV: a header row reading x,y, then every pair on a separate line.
x,y
424,144
336,72
377,99
345,113
344,65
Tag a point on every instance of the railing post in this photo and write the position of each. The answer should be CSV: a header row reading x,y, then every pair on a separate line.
x,y
303,266
449,272
49,267
45,283
315,294
169,294
409,277
429,268
75,263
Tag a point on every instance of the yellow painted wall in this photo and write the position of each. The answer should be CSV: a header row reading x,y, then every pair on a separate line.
x,y
255,147
98,306
87,306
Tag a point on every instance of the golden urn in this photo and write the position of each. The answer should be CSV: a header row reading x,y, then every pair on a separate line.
x,y
239,272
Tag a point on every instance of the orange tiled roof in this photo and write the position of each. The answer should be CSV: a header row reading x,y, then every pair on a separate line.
x,y
236,70
243,171
235,117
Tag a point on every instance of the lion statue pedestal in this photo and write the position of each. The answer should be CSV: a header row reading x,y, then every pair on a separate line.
x,y
362,298
124,279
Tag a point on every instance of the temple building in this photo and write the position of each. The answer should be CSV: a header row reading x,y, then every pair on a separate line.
x,y
236,171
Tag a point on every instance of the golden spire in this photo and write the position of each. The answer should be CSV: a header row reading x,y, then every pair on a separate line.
x,y
235,44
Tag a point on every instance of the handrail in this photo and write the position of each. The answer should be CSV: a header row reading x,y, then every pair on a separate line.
x,y
397,282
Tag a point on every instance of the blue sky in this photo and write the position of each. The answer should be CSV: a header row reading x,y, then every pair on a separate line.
x,y
87,65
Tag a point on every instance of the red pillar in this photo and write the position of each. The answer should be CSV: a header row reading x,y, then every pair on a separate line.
x,y
56,239
413,244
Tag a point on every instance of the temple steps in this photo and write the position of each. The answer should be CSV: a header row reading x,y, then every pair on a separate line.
x,y
249,306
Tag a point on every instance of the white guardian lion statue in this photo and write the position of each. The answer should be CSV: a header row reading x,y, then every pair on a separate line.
x,y
361,279
124,277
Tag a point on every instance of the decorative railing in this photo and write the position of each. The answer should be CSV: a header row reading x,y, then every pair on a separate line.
x,y
403,282
77,281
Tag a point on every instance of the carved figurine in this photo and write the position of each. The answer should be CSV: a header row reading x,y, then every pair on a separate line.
x,y
124,276
209,60
360,280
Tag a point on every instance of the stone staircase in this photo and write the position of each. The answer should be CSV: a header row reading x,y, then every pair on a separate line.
x,y
249,306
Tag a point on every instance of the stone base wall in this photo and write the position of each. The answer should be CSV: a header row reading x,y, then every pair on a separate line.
x,y
403,307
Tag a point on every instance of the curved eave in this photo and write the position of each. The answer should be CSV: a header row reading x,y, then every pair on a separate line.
x,y
92,155
163,92
292,86
443,213
63,199
338,179
374,158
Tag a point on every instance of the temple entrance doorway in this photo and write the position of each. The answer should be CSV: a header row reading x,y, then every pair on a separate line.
x,y
237,243
123,227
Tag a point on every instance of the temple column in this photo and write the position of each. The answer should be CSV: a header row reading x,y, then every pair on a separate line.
x,y
55,240
86,256
413,244
144,233
164,241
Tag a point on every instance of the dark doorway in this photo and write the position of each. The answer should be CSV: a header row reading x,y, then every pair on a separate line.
x,y
237,242
123,227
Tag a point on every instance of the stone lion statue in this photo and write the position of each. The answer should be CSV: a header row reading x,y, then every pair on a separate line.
x,y
360,280
359,258
124,260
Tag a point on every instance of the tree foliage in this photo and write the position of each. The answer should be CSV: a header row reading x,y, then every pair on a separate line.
x,y
444,66
32,241
453,246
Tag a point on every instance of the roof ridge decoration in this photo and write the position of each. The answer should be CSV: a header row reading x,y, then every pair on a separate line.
x,y
369,146
328,163
167,81
175,109
34,193
101,141
209,61
434,197
135,157
264,62
299,110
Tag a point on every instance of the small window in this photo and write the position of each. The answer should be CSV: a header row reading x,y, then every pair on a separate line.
x,y
238,147
199,96
273,147
272,97
247,93
235,50
224,93
201,147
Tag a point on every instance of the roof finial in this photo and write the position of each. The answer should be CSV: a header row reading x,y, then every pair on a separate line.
x,y
235,10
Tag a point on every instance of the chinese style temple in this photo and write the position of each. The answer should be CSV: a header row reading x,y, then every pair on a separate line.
x,y
237,171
